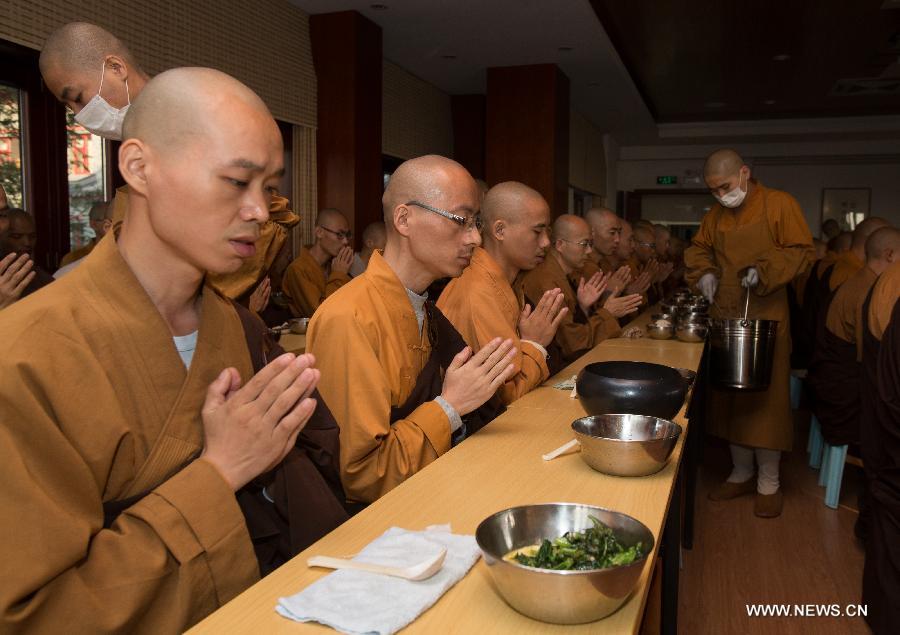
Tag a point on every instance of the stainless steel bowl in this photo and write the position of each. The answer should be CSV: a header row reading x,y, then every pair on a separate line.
x,y
559,597
661,332
669,307
298,326
691,332
626,445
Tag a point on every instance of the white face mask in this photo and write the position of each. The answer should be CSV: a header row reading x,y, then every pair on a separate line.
x,y
100,118
734,198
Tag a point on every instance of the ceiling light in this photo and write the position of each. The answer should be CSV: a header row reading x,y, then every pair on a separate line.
x,y
714,104
769,102
781,57
378,7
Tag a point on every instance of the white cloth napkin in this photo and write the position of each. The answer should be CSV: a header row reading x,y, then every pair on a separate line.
x,y
362,602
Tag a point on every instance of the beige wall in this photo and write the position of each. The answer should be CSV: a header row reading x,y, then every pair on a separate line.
x,y
587,161
264,43
416,116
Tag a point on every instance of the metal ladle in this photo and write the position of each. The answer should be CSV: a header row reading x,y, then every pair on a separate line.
x,y
744,321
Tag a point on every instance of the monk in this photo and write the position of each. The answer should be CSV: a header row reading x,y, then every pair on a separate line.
x,y
834,374
881,451
321,268
131,415
854,259
830,229
585,324
17,246
374,237
482,303
96,76
648,259
663,238
606,233
100,220
623,256
753,238
399,378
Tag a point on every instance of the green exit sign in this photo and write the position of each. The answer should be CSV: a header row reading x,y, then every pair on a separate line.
x,y
667,180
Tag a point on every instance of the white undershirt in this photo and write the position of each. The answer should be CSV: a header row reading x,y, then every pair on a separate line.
x,y
186,344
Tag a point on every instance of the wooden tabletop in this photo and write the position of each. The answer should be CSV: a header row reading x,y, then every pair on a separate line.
x,y
499,467
293,343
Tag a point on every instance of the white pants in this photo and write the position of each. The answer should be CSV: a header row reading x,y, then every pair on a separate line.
x,y
767,480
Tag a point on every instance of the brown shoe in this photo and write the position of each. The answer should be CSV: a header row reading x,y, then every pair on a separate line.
x,y
768,505
727,490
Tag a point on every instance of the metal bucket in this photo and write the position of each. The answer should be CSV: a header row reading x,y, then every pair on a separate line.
x,y
741,353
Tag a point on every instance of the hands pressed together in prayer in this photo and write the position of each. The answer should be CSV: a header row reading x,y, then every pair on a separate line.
x,y
471,380
248,430
15,274
343,261
259,299
590,291
540,324
619,280
641,283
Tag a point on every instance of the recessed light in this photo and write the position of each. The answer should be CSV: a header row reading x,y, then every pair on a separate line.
x,y
781,57
448,57
378,7
564,49
714,104
769,102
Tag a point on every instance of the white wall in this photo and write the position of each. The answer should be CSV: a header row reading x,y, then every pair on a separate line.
x,y
803,169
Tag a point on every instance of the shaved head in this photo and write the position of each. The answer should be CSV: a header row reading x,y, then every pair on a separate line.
x,y
202,157
426,179
864,230
81,46
606,230
569,226
840,243
571,238
21,236
375,234
724,162
505,201
645,242
330,215
598,215
883,244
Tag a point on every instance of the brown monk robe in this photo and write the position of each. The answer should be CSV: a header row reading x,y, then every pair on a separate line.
x,y
323,267
482,304
396,374
126,426
585,325
834,373
757,237
854,259
881,420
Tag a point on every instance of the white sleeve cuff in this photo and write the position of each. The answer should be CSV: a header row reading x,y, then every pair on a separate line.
x,y
455,420
539,347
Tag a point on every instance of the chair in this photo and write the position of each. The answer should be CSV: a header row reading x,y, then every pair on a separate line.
x,y
833,460
816,444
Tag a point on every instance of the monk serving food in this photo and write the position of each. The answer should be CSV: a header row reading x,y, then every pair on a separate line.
x,y
130,415
482,303
756,238
398,377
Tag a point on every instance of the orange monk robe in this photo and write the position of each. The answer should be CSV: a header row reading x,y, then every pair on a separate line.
x,y
577,333
482,305
845,311
77,254
885,293
91,387
367,344
847,264
769,233
306,284
272,235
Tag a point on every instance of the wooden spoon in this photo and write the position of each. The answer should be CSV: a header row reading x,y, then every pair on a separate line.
x,y
560,450
421,571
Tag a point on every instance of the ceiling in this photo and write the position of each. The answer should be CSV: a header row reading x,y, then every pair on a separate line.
x,y
707,59
663,62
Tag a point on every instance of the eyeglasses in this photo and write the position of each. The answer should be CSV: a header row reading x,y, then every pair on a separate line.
x,y
651,245
584,244
467,224
341,235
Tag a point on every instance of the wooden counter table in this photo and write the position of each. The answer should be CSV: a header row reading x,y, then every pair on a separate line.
x,y
496,468
293,343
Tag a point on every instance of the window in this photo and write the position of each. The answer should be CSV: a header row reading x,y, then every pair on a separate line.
x,y
11,159
87,157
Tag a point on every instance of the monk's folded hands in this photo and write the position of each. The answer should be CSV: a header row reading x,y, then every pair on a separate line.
x,y
471,380
622,305
248,430
540,324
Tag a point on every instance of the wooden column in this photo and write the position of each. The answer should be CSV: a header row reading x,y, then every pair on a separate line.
x,y
347,55
468,132
527,136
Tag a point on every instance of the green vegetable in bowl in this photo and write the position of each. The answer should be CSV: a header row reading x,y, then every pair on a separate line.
x,y
594,548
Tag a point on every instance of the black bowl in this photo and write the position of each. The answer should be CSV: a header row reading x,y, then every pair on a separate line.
x,y
637,388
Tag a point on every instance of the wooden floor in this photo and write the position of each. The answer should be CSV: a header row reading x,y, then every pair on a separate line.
x,y
809,555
